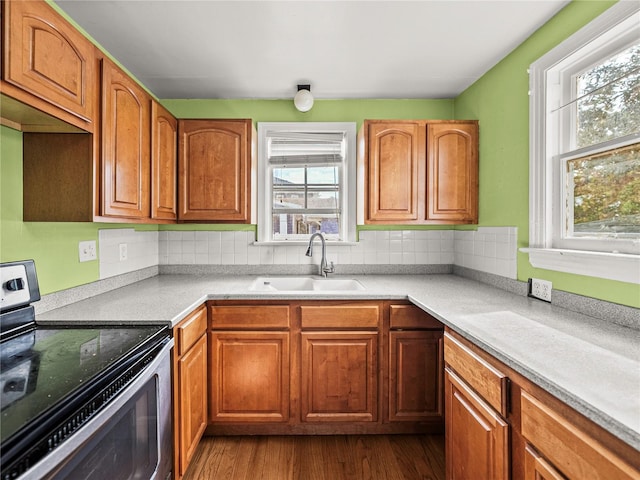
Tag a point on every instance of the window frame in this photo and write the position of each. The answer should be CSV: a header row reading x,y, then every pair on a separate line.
x,y
598,39
347,180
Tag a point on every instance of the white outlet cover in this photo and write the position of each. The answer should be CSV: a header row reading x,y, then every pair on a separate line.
x,y
123,251
87,251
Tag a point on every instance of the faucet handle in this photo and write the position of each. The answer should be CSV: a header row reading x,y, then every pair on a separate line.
x,y
330,269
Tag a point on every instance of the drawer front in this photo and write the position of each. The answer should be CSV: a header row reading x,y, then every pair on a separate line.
x,y
340,316
568,448
410,316
250,317
488,381
191,329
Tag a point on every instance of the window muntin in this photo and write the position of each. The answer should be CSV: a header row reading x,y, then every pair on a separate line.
x,y
307,179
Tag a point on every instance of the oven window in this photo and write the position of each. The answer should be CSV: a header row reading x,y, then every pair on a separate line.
x,y
125,448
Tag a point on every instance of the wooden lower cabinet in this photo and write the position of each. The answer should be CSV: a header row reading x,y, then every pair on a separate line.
x,y
415,376
249,377
500,425
190,388
537,468
339,377
322,367
477,438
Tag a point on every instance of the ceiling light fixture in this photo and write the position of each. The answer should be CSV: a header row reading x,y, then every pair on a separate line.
x,y
303,99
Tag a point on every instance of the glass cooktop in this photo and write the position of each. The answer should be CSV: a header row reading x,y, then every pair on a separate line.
x,y
51,365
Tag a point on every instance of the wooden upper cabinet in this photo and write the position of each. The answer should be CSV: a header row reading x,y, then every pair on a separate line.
x,y
396,173
215,170
48,58
419,171
452,159
125,145
164,163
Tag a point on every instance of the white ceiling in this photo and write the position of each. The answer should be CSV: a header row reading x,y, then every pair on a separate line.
x,y
344,49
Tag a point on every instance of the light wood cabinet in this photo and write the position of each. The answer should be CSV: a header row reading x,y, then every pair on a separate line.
x,y
249,376
126,161
164,163
452,172
477,434
477,437
250,364
565,450
48,65
419,171
499,423
215,161
190,388
339,377
323,367
416,388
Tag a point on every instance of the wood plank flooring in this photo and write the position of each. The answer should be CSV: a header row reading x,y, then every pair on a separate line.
x,y
331,457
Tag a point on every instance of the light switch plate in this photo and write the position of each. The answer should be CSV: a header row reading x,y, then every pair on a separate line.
x,y
123,252
87,251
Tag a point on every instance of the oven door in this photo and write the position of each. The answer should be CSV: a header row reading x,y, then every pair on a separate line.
x,y
129,439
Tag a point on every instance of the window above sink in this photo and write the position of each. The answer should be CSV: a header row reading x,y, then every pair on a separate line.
x,y
306,181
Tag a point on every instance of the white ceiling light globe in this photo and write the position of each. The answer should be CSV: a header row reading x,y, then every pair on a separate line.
x,y
303,100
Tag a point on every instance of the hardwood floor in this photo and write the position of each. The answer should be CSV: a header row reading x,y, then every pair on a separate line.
x,y
334,457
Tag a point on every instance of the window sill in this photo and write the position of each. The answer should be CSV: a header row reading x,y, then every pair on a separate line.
x,y
290,243
612,266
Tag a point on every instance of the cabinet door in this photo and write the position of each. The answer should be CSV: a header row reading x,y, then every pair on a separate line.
x,y
192,390
125,145
395,172
214,175
416,389
537,468
339,377
477,440
46,56
164,163
452,172
249,377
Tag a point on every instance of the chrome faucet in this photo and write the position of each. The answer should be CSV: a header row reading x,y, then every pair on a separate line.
x,y
324,269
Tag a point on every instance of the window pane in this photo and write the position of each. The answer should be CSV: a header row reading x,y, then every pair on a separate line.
x,y
290,198
302,224
606,192
608,105
325,199
286,176
322,175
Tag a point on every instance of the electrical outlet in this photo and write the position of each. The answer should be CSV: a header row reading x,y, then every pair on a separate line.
x,y
87,251
540,289
123,252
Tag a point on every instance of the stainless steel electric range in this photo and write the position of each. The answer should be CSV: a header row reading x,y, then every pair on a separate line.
x,y
80,402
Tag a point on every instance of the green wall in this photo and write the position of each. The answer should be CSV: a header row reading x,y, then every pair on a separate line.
x,y
53,246
500,101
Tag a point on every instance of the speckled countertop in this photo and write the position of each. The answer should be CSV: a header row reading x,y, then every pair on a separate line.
x,y
590,364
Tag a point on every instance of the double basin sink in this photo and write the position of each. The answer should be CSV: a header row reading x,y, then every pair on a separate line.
x,y
305,284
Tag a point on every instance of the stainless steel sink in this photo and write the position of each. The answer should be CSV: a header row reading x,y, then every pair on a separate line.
x,y
305,284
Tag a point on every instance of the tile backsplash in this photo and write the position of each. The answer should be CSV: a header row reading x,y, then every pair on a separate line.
x,y
489,249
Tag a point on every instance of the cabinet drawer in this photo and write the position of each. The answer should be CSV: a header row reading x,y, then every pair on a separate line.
x,y
340,316
488,381
568,448
410,316
249,316
191,329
